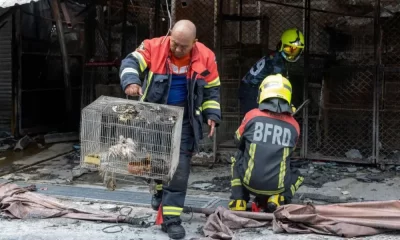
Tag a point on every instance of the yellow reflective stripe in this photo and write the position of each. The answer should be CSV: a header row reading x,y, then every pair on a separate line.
x,y
293,190
159,187
172,211
214,83
250,166
236,182
282,172
233,160
149,78
210,104
299,182
261,192
142,62
238,135
172,208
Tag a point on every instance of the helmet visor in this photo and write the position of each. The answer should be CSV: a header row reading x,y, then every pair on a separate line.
x,y
291,53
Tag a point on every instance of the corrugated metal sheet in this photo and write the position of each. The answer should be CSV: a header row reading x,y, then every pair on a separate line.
x,y
10,3
5,74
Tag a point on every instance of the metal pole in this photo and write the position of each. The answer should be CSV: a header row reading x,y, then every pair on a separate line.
x,y
377,75
307,71
18,73
156,20
240,54
123,37
67,84
173,12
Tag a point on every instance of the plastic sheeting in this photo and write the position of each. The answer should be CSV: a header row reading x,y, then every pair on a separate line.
x,y
10,3
344,220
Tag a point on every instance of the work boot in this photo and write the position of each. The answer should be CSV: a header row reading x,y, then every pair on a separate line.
x,y
274,202
237,205
174,230
156,200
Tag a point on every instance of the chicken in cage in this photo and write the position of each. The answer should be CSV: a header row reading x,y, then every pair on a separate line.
x,y
131,138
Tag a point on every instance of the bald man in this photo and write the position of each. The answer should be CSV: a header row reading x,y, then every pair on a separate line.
x,y
180,71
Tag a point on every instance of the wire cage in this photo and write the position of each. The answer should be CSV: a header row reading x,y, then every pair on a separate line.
x,y
131,138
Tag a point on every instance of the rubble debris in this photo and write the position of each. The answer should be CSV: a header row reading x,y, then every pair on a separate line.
x,y
374,170
78,171
352,169
22,143
5,136
203,155
376,178
40,146
328,199
109,207
364,179
345,192
61,137
5,147
354,154
202,186
371,178
217,184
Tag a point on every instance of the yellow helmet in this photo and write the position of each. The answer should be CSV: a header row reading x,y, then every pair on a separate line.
x,y
275,86
292,44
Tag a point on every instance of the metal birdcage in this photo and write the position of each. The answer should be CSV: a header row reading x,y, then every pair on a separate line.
x,y
131,138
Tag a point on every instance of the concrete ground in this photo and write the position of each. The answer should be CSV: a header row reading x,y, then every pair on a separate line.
x,y
71,229
325,183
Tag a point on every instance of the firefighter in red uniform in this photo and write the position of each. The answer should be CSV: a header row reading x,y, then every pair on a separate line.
x,y
266,138
183,72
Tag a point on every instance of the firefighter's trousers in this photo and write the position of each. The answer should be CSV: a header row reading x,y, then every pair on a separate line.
x,y
173,194
239,190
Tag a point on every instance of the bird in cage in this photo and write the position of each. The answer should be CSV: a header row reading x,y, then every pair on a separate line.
x,y
125,149
125,112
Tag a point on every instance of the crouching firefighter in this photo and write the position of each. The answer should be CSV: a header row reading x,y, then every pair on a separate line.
x,y
266,139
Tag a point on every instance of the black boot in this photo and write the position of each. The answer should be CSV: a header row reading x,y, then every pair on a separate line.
x,y
156,200
174,229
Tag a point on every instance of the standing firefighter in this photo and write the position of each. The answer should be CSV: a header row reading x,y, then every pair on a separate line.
x,y
289,50
182,72
266,138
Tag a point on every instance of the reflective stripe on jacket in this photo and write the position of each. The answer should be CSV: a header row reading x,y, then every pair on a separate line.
x,y
267,142
153,58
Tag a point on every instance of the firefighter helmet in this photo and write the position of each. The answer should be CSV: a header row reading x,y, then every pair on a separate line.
x,y
292,44
277,87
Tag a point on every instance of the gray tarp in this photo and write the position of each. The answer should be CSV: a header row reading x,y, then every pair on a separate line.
x,y
21,203
345,220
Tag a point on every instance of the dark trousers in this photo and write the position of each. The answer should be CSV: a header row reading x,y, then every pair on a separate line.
x,y
248,97
174,194
240,192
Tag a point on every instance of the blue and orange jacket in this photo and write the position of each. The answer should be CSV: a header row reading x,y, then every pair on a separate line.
x,y
153,58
